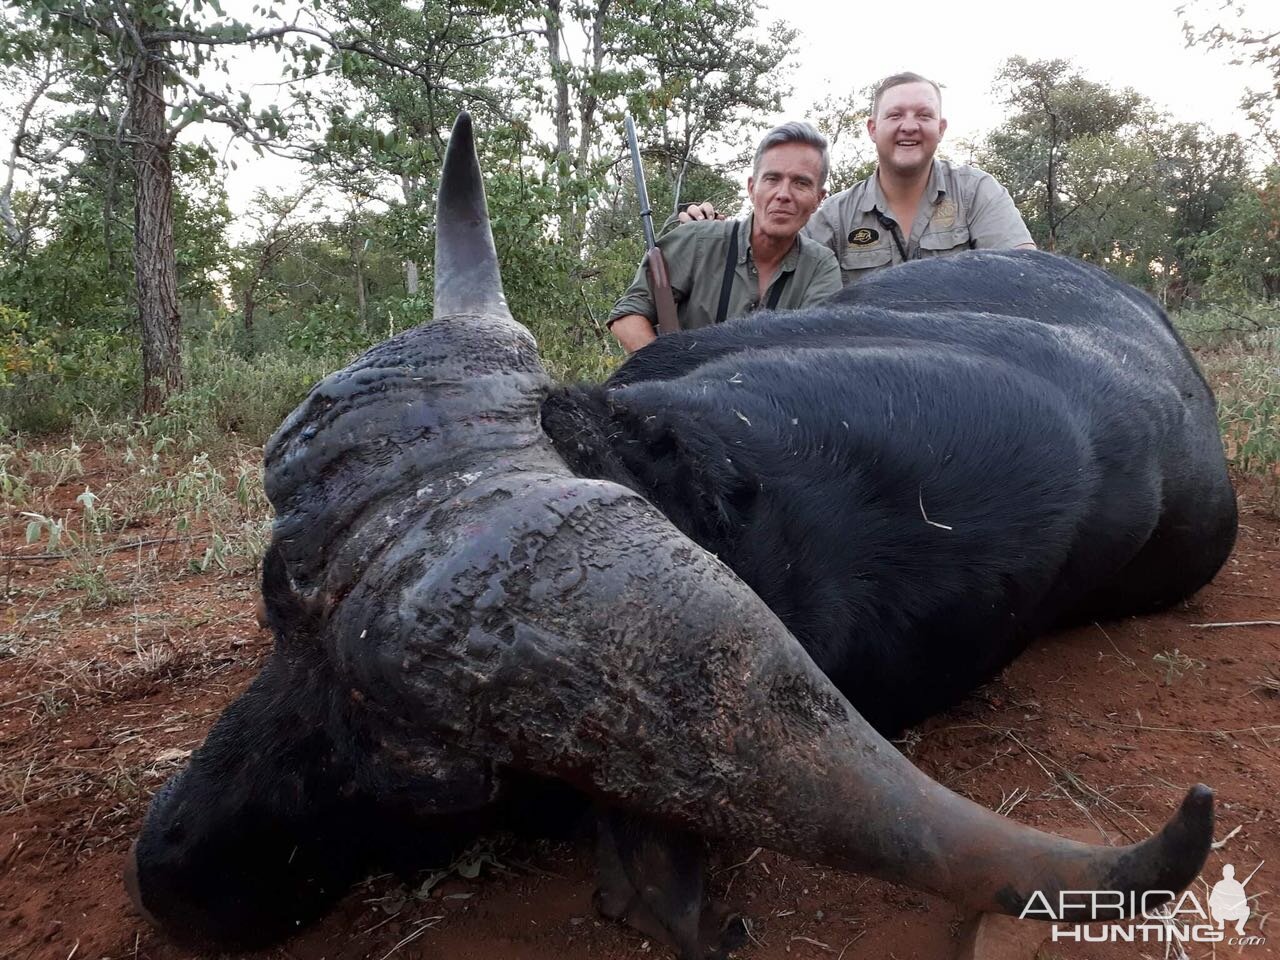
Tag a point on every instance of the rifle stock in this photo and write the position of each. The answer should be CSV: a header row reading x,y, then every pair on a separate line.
x,y
660,285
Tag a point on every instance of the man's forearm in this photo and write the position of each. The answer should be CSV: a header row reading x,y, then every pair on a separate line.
x,y
633,331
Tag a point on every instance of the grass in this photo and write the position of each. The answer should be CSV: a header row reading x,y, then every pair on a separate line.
x,y
235,398
1177,664
99,530
1239,350
1270,681
154,481
95,588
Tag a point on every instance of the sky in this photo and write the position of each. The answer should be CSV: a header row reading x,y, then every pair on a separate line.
x,y
1123,43
845,46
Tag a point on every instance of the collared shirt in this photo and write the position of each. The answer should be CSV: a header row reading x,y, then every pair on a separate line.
x,y
696,255
963,208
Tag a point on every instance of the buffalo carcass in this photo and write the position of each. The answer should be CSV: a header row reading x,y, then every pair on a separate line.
x,y
666,592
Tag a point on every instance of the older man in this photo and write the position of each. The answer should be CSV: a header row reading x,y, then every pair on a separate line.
x,y
723,269
914,206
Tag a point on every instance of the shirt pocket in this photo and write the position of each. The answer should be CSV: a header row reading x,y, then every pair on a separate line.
x,y
855,263
944,241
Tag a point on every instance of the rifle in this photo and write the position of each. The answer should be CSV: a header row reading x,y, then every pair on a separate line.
x,y
654,262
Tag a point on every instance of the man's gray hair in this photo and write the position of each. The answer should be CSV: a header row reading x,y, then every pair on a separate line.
x,y
797,131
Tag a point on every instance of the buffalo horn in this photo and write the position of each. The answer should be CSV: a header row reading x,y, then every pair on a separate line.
x,y
467,279
576,633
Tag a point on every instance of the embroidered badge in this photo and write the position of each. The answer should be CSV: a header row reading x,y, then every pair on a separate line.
x,y
944,215
863,236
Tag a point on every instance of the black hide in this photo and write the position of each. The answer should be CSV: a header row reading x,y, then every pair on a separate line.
x,y
949,459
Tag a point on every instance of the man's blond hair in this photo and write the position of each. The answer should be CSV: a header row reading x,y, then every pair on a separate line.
x,y
897,80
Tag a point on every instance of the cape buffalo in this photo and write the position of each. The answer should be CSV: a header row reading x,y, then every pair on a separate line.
x,y
681,592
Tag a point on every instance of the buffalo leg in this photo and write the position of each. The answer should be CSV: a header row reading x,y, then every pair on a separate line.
x,y
652,877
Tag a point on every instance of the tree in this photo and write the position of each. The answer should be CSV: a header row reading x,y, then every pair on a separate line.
x,y
67,275
1202,175
842,119
279,228
691,96
1055,111
1100,174
156,54
391,126
707,91
1247,45
1243,252
33,145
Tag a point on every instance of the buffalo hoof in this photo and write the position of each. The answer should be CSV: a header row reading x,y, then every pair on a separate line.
x,y
652,879
723,931
720,929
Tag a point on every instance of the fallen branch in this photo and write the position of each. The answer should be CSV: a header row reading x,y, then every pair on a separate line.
x,y
1219,844
137,544
1239,623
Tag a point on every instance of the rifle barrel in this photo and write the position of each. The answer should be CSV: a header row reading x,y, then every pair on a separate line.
x,y
642,192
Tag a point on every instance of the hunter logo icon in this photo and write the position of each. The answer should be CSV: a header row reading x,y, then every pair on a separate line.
x,y
1228,901
863,236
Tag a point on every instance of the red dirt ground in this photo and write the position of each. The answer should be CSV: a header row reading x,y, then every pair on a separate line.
x,y
1097,731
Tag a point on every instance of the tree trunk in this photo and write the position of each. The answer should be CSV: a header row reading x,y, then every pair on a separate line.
x,y
590,99
1052,186
560,75
12,233
409,187
560,111
362,305
249,305
155,266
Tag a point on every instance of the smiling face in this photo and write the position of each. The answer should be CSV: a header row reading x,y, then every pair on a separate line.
x,y
907,128
786,188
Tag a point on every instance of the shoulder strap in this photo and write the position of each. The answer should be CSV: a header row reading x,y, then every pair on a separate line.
x,y
776,293
730,264
892,227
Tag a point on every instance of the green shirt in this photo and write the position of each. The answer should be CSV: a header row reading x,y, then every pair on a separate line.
x,y
696,254
963,208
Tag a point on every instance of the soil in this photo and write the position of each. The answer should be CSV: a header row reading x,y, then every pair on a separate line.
x,y
1096,732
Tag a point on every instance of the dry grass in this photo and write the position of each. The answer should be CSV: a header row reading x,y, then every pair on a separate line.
x,y
118,559
1270,681
1177,664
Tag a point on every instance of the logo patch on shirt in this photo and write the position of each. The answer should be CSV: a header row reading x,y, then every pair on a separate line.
x,y
944,215
863,236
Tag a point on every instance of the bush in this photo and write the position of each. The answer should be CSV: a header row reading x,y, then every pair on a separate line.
x,y
1239,350
246,396
73,371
